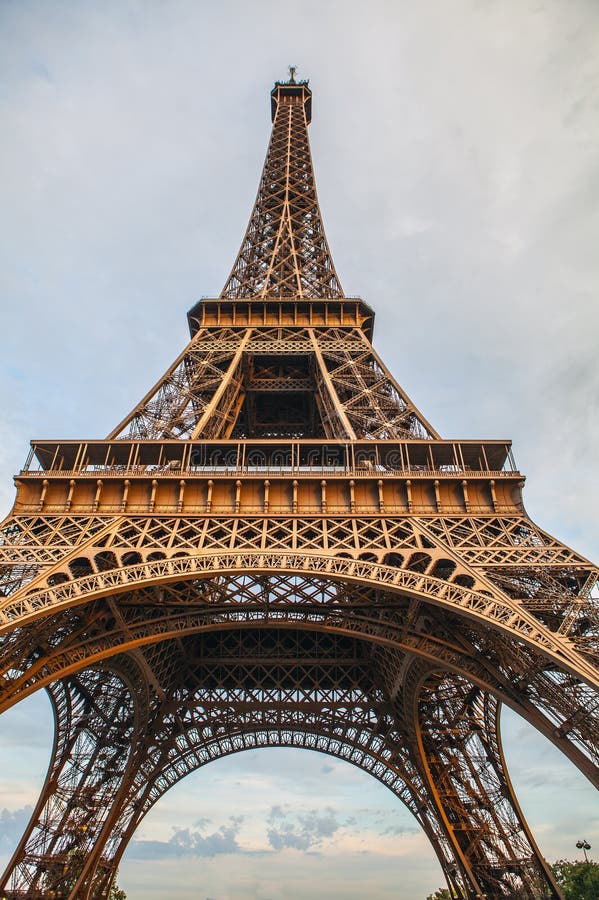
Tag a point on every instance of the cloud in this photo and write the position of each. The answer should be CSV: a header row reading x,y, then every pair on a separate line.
x,y
301,831
399,830
276,812
12,826
188,842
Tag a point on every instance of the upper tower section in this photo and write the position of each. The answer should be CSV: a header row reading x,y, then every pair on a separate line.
x,y
284,252
291,91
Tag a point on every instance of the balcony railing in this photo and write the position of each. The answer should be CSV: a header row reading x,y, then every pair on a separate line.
x,y
305,458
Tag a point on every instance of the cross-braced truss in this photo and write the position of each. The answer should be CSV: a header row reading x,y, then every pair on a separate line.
x,y
274,548
273,383
285,252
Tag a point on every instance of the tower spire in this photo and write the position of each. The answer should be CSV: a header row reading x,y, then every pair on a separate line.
x,y
284,252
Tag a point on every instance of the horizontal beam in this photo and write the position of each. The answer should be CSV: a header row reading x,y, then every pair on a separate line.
x,y
349,312
202,492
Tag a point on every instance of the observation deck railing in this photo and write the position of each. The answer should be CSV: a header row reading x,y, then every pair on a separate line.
x,y
302,458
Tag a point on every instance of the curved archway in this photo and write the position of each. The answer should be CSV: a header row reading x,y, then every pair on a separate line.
x,y
486,603
326,820
421,614
419,625
281,685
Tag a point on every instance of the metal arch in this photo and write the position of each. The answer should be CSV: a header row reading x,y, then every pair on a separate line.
x,y
563,716
353,752
379,739
492,607
92,644
102,868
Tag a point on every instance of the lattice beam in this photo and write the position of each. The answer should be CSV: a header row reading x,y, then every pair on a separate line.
x,y
458,733
96,723
285,251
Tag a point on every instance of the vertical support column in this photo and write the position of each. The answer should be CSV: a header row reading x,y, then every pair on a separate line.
x,y
43,493
465,493
461,756
153,495
72,483
409,495
125,494
381,494
98,494
181,495
95,723
323,496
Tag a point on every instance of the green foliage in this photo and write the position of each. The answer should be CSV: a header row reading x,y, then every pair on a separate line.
x,y
60,877
116,893
578,880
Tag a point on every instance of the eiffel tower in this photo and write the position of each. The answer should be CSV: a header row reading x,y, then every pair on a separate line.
x,y
275,548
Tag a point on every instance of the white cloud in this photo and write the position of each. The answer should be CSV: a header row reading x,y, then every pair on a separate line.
x,y
12,826
190,842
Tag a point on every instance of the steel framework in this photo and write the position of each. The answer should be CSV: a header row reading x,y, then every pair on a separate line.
x,y
275,548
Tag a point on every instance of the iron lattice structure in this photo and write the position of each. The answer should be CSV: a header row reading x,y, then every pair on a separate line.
x,y
275,548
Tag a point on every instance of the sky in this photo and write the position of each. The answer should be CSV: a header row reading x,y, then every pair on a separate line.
x,y
455,153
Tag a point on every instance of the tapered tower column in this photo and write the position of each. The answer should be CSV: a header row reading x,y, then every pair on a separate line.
x,y
284,252
461,754
96,722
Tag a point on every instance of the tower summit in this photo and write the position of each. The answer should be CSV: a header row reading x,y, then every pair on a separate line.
x,y
284,252
275,548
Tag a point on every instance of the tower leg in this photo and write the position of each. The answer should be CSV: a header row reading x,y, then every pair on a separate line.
x,y
95,719
461,754
156,768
